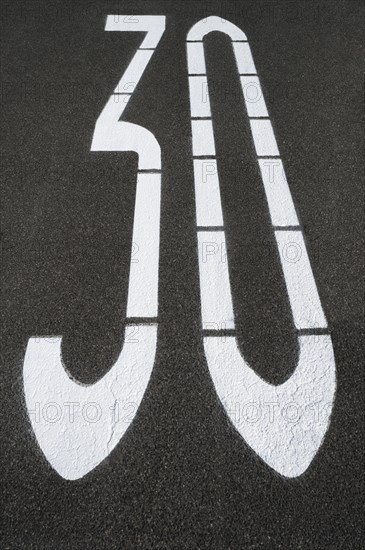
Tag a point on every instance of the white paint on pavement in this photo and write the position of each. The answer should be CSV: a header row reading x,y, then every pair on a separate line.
x,y
263,137
113,135
152,25
216,301
214,23
196,59
75,441
207,193
78,426
280,202
143,274
253,96
284,424
199,98
285,442
302,290
134,72
244,58
203,138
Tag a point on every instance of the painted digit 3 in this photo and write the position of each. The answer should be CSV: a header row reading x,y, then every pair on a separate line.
x,y
77,426
287,446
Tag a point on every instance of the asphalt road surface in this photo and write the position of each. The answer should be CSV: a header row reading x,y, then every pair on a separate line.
x,y
182,477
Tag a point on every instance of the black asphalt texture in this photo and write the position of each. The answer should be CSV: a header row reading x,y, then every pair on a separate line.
x,y
182,477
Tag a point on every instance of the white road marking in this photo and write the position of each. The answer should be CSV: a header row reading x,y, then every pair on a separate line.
x,y
216,301
207,192
78,426
284,424
76,444
199,98
303,295
134,71
143,274
252,94
152,25
287,445
243,57
112,135
214,23
196,59
280,202
263,137
203,138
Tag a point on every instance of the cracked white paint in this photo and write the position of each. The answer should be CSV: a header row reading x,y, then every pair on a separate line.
x,y
285,423
77,426
286,443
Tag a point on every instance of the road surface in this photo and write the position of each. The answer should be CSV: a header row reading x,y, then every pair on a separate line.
x,y
182,476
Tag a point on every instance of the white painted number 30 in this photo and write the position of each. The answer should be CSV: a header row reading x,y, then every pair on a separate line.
x,y
77,426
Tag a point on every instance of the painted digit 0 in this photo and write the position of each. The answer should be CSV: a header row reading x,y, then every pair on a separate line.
x,y
287,446
77,426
